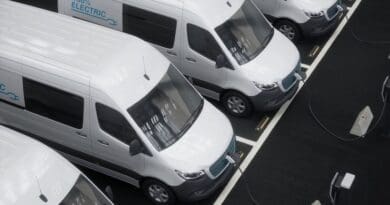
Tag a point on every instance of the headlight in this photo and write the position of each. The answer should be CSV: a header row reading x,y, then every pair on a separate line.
x,y
265,86
312,14
190,176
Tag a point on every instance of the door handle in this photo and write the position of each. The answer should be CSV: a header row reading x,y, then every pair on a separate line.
x,y
103,142
190,59
83,135
172,53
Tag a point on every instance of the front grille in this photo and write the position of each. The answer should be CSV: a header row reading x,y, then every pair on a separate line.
x,y
332,11
222,163
289,81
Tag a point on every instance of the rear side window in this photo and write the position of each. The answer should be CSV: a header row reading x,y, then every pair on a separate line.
x,y
53,103
51,5
203,42
114,123
149,26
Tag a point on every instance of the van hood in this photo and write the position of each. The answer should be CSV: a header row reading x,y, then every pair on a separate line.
x,y
314,5
206,141
274,63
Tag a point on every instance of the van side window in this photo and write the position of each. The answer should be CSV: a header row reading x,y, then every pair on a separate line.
x,y
114,123
51,5
203,42
151,27
53,103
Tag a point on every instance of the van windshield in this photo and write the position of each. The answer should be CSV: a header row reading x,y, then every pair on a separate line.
x,y
85,193
246,33
167,112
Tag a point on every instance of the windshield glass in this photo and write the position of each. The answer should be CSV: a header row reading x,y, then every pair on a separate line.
x,y
166,113
84,193
246,33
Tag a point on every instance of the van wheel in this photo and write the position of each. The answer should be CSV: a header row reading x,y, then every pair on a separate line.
x,y
158,192
237,104
289,29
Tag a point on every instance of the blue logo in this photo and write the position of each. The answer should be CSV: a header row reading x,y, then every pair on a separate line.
x,y
85,7
11,95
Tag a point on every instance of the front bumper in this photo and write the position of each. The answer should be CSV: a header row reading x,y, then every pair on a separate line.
x,y
269,100
320,26
272,99
194,190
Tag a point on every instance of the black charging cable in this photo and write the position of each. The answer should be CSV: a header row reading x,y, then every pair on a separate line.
x,y
230,158
384,95
359,39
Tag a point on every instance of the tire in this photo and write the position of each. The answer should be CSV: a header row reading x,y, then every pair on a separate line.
x,y
289,29
163,193
237,104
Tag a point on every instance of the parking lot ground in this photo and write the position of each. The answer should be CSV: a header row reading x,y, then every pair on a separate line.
x,y
297,162
249,128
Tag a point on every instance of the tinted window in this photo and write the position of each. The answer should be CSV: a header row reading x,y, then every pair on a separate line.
x,y
53,103
51,5
113,122
149,26
203,42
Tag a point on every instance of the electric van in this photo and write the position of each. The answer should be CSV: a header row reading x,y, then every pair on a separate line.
x,y
226,48
302,18
31,173
111,102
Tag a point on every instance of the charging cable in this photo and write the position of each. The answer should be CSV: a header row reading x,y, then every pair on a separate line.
x,y
332,194
384,96
357,38
232,161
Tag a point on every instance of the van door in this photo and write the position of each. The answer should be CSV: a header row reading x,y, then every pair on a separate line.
x,y
107,13
200,51
54,114
112,135
162,30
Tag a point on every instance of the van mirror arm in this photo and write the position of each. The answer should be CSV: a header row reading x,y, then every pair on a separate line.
x,y
135,147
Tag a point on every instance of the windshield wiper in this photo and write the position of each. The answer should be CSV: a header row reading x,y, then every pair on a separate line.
x,y
190,120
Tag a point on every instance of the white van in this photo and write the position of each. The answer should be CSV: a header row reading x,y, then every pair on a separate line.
x,y
226,48
112,103
33,174
298,18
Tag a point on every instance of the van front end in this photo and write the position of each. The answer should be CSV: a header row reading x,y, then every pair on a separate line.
x,y
203,160
217,176
322,22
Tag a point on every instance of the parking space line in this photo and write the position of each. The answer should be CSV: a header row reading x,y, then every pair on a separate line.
x,y
263,137
305,66
245,141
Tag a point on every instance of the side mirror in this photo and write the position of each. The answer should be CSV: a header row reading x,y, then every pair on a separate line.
x,y
221,61
109,193
135,147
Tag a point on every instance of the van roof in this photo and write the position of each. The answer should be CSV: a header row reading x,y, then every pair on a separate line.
x,y
213,13
28,166
89,54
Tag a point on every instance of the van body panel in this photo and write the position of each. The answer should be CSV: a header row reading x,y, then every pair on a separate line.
x,y
28,167
268,67
205,153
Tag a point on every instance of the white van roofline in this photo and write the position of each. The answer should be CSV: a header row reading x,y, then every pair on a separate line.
x,y
28,166
99,57
211,13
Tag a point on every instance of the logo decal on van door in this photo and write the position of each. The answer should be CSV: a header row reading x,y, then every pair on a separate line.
x,y
85,7
11,95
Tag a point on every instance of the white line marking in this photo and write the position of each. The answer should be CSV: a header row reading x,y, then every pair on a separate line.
x,y
263,137
245,141
305,66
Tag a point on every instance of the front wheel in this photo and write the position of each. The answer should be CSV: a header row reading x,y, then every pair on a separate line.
x,y
289,29
158,192
237,104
